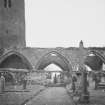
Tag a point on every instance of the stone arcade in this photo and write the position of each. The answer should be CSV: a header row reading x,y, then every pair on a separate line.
x,y
15,54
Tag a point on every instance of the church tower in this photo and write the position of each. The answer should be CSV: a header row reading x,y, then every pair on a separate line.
x,y
12,23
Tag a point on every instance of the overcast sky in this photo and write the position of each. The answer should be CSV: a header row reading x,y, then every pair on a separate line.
x,y
63,23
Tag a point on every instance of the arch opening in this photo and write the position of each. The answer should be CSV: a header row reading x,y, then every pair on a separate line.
x,y
13,61
53,67
94,61
57,66
55,58
56,74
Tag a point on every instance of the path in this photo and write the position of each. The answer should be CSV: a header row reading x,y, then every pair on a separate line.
x,y
52,96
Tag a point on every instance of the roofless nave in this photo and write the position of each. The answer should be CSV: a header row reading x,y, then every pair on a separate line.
x,y
15,55
13,44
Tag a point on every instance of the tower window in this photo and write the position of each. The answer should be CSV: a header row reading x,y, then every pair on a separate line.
x,y
7,3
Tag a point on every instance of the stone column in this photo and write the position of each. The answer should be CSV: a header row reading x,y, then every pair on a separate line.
x,y
84,97
2,83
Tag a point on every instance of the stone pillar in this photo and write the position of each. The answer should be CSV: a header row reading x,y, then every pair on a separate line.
x,y
84,97
25,81
2,83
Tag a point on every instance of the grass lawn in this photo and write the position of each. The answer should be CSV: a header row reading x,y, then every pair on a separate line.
x,y
17,96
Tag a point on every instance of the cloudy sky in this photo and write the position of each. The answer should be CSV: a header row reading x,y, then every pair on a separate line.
x,y
63,23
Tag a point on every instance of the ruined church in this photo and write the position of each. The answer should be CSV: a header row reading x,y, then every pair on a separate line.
x,y
15,54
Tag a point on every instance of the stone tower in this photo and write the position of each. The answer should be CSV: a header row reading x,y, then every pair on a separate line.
x,y
12,23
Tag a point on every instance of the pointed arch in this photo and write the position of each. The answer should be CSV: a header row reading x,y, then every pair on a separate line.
x,y
53,67
56,58
14,59
99,58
